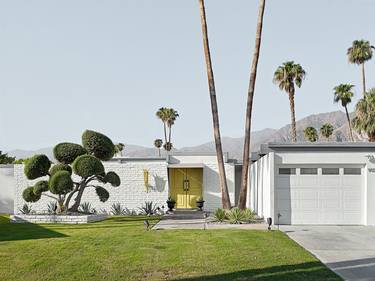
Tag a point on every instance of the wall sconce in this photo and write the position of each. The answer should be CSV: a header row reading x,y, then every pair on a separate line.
x,y
145,179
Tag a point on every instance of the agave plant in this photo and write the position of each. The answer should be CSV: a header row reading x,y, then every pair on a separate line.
x,y
86,208
149,208
219,215
235,216
129,212
117,209
26,209
248,215
52,207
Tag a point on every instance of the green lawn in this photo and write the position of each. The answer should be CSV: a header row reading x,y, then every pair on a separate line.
x,y
120,249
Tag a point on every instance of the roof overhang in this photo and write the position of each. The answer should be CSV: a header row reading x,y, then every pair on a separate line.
x,y
329,146
186,165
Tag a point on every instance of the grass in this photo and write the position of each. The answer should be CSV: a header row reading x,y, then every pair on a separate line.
x,y
120,248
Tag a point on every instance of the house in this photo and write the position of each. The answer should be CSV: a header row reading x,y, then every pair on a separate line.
x,y
183,176
325,183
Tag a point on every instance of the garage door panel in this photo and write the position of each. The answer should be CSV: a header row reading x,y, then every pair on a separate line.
x,y
307,181
329,181
286,181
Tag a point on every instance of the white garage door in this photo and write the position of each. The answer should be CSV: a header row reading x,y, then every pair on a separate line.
x,y
319,195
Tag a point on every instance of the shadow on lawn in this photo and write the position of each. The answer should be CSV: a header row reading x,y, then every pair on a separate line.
x,y
24,231
304,271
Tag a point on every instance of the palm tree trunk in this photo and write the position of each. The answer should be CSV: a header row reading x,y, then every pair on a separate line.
x,y
170,133
215,115
165,133
159,151
249,108
349,123
293,116
363,79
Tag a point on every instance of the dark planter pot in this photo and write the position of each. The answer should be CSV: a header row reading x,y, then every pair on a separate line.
x,y
171,205
200,205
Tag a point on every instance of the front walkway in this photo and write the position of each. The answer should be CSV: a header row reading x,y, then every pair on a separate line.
x,y
347,250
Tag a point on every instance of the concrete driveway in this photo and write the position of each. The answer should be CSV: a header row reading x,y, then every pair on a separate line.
x,y
347,250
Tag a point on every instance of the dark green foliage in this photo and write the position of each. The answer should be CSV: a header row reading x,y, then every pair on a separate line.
x,y
37,166
40,187
102,193
149,208
61,183
60,167
29,195
117,209
88,165
66,152
5,159
112,178
98,144
26,209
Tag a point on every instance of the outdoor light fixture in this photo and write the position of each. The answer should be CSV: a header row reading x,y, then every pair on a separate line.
x,y
269,221
145,179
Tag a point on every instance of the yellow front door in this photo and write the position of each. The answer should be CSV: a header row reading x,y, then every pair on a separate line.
x,y
186,186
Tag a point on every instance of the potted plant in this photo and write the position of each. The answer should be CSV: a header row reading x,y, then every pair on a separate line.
x,y
171,202
200,203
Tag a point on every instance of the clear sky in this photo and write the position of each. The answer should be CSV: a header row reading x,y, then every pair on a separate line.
x,y
109,65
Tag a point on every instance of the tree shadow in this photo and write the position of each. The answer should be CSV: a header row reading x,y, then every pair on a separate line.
x,y
304,271
24,231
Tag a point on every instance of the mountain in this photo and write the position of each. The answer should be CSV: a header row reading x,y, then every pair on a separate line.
x,y
235,145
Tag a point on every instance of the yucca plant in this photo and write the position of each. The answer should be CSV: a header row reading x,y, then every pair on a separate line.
x,y
219,215
129,212
52,207
149,208
117,209
86,208
235,216
26,209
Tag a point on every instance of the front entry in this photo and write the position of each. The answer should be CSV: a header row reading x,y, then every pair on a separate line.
x,y
186,186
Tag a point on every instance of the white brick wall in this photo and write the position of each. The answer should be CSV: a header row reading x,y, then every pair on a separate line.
x,y
7,185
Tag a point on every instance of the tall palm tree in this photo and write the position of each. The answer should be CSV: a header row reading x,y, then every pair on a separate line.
x,y
249,107
162,114
158,144
168,116
343,93
287,76
311,134
326,130
215,114
364,118
359,53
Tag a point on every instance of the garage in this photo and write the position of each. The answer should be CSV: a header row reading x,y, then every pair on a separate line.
x,y
319,194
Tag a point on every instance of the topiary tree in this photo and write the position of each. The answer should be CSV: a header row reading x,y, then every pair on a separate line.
x,y
85,162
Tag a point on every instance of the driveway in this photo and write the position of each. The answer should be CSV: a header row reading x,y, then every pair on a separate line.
x,y
347,250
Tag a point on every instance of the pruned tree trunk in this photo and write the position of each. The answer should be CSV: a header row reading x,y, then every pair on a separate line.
x,y
249,107
215,115
77,200
371,137
349,124
363,79
293,116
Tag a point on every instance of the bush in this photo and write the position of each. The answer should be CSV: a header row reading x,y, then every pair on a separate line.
x,y
61,183
112,178
52,207
29,195
98,144
60,167
219,215
248,215
40,187
235,216
149,208
87,165
67,152
26,209
117,209
86,208
102,193
37,166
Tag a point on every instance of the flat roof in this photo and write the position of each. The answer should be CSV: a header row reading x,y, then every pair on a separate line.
x,y
321,146
186,165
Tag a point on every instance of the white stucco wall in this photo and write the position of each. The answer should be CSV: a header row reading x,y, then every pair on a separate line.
x,y
7,187
131,193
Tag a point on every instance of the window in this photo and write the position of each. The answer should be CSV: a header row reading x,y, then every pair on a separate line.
x,y
287,171
330,171
352,171
309,171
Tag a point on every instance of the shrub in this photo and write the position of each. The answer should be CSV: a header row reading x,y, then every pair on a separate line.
x,y
149,208
235,216
67,152
248,215
29,195
117,209
102,193
26,209
61,183
52,207
128,212
37,166
98,144
112,178
86,208
60,167
219,215
88,165
40,187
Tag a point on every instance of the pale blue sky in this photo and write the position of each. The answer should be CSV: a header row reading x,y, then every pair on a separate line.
x,y
109,65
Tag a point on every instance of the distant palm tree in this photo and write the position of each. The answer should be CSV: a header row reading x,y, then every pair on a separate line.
x,y
311,134
364,120
343,93
215,114
359,53
168,116
326,130
158,143
286,77
249,107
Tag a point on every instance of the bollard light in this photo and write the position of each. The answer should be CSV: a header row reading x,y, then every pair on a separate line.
x,y
269,221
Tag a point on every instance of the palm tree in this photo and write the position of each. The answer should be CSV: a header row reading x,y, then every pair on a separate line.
x,y
158,144
215,114
249,107
311,134
326,130
286,77
359,53
172,116
168,116
162,114
344,93
364,118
